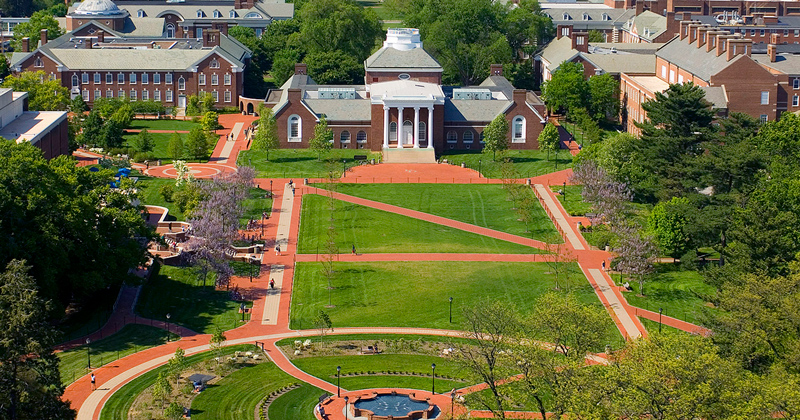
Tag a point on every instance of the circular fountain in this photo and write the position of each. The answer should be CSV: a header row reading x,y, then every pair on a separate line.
x,y
393,406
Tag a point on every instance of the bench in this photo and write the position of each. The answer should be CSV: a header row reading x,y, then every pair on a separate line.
x,y
360,157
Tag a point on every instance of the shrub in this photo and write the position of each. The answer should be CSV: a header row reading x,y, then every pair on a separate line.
x,y
143,156
689,260
167,191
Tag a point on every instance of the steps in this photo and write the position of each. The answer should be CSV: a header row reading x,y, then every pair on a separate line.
x,y
409,155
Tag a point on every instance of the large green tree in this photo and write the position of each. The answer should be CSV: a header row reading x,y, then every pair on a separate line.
x,y
197,144
42,19
668,223
566,90
43,94
322,140
334,68
30,384
604,97
78,234
341,25
266,136
495,136
548,138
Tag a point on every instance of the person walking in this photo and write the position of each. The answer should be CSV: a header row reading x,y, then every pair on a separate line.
x,y
94,387
354,249
604,265
272,284
277,250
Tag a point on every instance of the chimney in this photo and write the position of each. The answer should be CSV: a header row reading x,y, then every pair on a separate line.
x,y
300,69
639,7
722,43
496,70
739,47
580,41
684,28
101,37
43,36
770,20
702,35
211,38
519,96
687,16
713,36
693,32
772,52
26,44
775,38
563,31
222,27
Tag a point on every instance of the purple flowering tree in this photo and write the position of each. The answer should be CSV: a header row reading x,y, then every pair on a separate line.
x,y
637,255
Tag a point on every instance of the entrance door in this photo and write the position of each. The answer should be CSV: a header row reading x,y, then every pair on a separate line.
x,y
181,101
408,132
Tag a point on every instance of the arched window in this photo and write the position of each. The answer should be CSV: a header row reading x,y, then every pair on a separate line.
x,y
361,137
232,14
295,128
452,137
170,30
344,137
469,136
200,13
518,129
217,14
423,131
181,83
214,64
408,132
140,13
253,15
585,16
38,62
392,131
74,80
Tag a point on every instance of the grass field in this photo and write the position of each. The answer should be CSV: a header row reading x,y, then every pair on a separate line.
x,y
415,294
160,144
172,125
481,205
572,201
180,292
130,339
236,396
652,327
377,231
300,163
297,404
120,402
528,162
324,367
682,294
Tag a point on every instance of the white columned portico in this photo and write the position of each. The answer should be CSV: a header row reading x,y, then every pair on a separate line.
x,y
416,127
400,127
430,127
385,127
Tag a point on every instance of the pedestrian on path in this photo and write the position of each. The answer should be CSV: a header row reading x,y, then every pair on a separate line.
x,y
272,284
293,191
277,250
604,265
354,249
93,380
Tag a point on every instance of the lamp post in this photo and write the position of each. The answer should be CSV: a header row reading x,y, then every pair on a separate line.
x,y
270,188
88,355
433,378
564,189
452,402
479,168
660,311
346,408
451,309
241,309
344,168
338,374
168,316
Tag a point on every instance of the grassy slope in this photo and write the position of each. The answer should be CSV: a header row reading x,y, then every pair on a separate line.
x,y
481,205
377,231
172,125
160,144
300,163
573,202
528,162
297,404
680,293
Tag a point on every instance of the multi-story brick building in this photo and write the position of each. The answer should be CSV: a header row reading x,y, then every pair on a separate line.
x,y
403,106
46,130
96,61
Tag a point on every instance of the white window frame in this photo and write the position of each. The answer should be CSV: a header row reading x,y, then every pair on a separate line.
x,y
201,79
393,131
156,78
145,95
140,13
671,76
75,80
157,95
169,95
168,78
215,95
133,78
133,95
85,78
109,78
422,133
518,134
145,78
121,94
344,137
214,63
97,94
795,100
765,97
232,14
360,138
120,78
796,83
85,95
664,72
109,93
294,119
227,79
764,118
470,139
452,137
181,83
214,79
227,96
97,78
38,62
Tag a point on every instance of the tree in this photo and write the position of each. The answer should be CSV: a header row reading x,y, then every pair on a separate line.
x,y
31,387
210,121
77,105
323,323
216,342
177,364
334,68
42,19
92,129
322,140
143,142
123,116
548,139
596,36
283,65
266,136
604,96
495,136
111,134
566,90
487,326
197,144
668,224
175,146
44,94
636,256
327,25
174,411
162,389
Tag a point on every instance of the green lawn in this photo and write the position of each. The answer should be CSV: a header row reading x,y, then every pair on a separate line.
x,y
370,338
481,205
172,125
297,404
682,294
180,292
652,327
160,144
120,402
130,339
324,367
377,231
236,396
415,294
300,163
572,201
529,163
255,205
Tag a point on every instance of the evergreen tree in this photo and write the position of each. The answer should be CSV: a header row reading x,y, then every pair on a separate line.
x,y
143,142
175,146
197,144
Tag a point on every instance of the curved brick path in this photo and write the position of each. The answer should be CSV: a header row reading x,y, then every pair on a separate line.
x,y
113,376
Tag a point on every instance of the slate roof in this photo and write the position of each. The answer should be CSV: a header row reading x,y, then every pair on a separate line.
x,y
694,60
620,61
269,9
390,59
786,63
623,63
631,47
463,110
558,51
614,18
716,95
647,25
143,27
499,83
342,109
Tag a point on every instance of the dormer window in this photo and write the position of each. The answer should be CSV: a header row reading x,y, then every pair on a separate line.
x,y
566,16
605,16
214,64
232,14
200,14
585,16
140,13
253,15
217,14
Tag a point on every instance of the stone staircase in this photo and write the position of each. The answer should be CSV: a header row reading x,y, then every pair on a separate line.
x,y
409,155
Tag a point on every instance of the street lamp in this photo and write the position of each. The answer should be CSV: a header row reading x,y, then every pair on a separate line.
x,y
88,355
451,309
479,168
344,168
346,408
660,311
452,401
338,374
241,309
564,191
270,188
433,378
168,317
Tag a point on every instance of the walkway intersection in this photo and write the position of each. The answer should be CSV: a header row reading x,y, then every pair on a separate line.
x,y
270,320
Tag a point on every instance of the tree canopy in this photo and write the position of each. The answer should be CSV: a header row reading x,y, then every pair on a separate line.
x,y
42,19
495,136
44,94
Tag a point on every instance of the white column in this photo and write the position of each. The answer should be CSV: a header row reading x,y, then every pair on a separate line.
x,y
416,127
385,127
430,127
400,127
